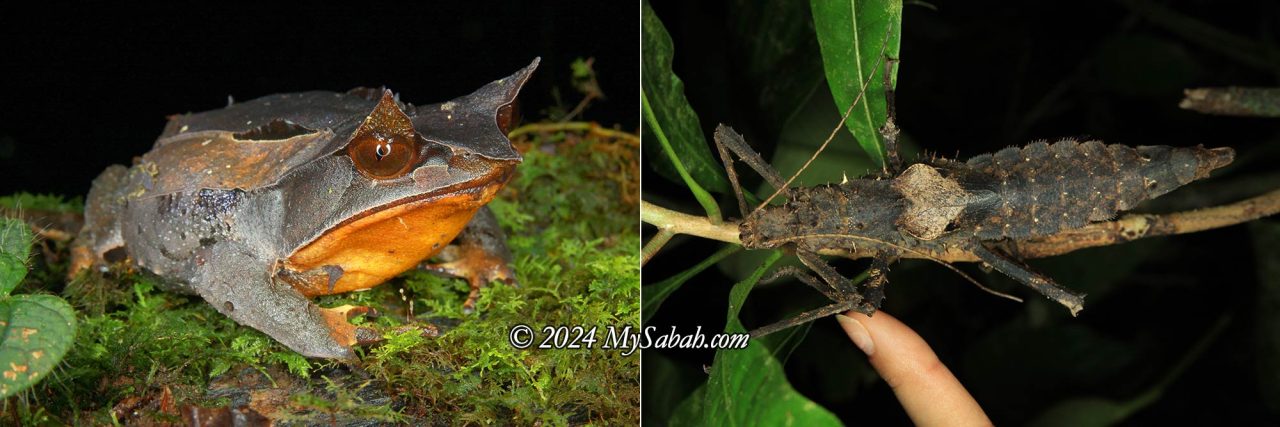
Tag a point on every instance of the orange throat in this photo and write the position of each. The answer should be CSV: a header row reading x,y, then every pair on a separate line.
x,y
381,245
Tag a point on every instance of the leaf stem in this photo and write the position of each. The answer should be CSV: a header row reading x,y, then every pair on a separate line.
x,y
704,198
651,248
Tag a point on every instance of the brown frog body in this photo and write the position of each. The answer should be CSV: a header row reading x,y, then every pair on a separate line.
x,y
260,205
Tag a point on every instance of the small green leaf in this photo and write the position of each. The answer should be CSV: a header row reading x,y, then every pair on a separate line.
x,y
852,34
12,271
15,238
15,247
294,362
672,119
749,386
653,295
37,330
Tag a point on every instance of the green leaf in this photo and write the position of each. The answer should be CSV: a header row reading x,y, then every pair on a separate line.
x,y
780,60
1086,411
1061,356
15,238
15,247
1097,411
670,119
653,295
1097,272
676,382
37,330
749,386
803,136
1145,65
852,34
12,271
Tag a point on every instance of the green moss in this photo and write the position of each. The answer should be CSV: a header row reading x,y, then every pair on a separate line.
x,y
42,202
576,256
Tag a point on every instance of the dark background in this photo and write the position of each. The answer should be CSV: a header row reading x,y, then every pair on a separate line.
x,y
88,86
976,77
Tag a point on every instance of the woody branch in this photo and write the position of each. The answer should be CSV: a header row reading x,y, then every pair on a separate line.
x,y
1126,228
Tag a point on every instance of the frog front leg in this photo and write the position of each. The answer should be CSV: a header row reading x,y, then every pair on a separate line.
x,y
241,284
479,254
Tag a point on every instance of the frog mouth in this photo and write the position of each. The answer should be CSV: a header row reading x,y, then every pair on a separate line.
x,y
394,237
437,177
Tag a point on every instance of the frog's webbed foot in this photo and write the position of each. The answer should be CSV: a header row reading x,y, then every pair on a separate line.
x,y
479,254
479,269
239,284
339,320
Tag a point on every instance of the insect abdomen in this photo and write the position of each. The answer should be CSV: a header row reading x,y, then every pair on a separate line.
x,y
1045,188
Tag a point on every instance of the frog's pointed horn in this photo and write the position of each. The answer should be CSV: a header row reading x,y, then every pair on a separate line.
x,y
386,119
502,91
510,86
476,122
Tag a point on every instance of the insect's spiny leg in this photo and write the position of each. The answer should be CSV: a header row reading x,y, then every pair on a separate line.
x,y
920,254
803,276
843,288
726,137
1074,301
811,315
729,170
878,278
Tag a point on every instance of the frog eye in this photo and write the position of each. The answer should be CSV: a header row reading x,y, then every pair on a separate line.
x,y
381,157
508,116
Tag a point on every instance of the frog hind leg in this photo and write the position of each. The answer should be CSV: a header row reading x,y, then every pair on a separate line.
x,y
479,254
240,284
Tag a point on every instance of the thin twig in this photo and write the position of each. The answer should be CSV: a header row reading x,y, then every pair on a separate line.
x,y
656,243
682,223
1233,101
591,128
582,105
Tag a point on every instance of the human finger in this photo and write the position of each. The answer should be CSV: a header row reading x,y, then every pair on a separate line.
x,y
927,390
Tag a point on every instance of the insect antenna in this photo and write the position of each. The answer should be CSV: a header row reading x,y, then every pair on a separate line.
x,y
843,118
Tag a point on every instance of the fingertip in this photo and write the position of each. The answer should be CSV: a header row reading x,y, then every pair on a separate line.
x,y
929,392
858,333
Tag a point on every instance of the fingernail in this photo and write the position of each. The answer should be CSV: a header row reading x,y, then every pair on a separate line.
x,y
858,333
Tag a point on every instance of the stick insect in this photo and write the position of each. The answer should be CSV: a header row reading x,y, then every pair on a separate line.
x,y
936,204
